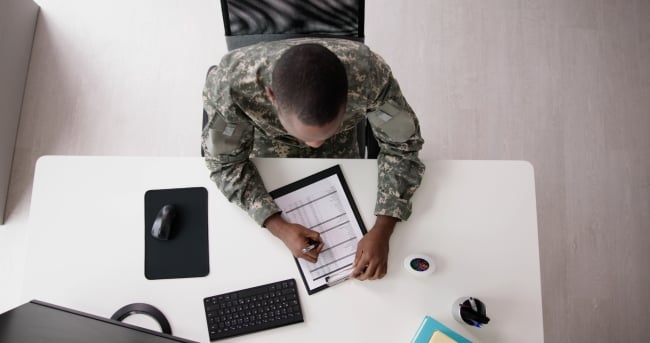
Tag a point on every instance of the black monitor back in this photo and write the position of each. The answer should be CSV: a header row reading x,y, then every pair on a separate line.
x,y
38,321
248,22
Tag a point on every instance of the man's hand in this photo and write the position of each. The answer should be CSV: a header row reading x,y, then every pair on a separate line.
x,y
296,237
371,261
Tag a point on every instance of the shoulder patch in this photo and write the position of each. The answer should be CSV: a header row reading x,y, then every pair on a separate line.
x,y
225,138
396,123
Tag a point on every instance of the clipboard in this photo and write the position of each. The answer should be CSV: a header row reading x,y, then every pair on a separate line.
x,y
322,202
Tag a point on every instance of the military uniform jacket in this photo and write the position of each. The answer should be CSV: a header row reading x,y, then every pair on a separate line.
x,y
243,123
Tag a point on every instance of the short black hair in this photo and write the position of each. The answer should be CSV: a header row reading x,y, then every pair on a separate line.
x,y
310,81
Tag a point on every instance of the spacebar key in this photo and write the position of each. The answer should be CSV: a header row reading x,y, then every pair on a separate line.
x,y
268,325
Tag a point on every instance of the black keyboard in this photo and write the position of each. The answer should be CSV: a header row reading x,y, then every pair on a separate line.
x,y
253,309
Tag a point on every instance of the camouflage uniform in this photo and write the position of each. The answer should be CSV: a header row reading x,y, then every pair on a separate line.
x,y
243,123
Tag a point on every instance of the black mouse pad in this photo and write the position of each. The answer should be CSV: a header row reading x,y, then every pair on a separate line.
x,y
185,253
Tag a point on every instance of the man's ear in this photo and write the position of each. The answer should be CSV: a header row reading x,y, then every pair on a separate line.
x,y
269,94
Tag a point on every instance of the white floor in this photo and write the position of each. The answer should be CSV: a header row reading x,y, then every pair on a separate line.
x,y
564,84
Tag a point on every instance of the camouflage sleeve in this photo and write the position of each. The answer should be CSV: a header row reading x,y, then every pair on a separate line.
x,y
227,141
397,131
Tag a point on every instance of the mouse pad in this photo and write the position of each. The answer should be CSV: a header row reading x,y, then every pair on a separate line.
x,y
185,253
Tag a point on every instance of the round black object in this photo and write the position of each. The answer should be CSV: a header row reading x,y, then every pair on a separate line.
x,y
141,308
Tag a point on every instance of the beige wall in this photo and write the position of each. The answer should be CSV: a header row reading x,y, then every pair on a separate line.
x,y
17,25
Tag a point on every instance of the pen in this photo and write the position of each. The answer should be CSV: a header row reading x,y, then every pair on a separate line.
x,y
312,245
473,304
338,277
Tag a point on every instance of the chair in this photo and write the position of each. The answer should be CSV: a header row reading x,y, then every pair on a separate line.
x,y
247,22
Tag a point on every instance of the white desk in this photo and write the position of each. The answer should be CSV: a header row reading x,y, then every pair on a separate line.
x,y
477,219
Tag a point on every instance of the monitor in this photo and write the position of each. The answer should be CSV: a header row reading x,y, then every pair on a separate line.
x,y
37,321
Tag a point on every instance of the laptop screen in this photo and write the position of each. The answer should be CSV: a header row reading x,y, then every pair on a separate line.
x,y
37,321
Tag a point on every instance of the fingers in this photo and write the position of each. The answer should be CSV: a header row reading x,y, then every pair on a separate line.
x,y
367,267
372,271
359,264
311,257
312,235
310,238
364,268
366,271
357,257
380,272
319,248
359,273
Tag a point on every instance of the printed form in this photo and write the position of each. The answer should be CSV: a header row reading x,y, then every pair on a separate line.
x,y
323,206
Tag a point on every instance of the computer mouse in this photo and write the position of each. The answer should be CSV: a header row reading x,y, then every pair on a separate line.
x,y
164,223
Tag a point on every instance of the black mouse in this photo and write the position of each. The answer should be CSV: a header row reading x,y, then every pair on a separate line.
x,y
163,225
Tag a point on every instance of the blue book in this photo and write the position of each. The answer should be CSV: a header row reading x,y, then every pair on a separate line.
x,y
429,326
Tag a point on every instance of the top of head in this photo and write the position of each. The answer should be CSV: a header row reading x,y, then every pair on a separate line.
x,y
310,82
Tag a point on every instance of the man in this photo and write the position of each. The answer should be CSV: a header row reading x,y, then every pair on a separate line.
x,y
304,98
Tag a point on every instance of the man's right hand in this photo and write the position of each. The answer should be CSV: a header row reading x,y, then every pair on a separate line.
x,y
295,236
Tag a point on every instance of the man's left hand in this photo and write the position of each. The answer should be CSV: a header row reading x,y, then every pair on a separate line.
x,y
371,261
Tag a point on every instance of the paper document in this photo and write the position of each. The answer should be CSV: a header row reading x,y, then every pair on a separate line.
x,y
322,202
